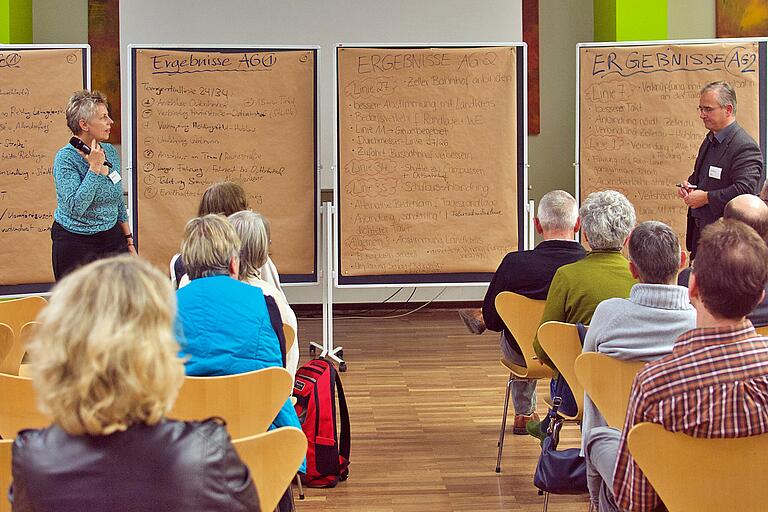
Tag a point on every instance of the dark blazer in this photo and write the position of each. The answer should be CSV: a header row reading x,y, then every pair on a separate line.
x,y
528,273
171,466
743,173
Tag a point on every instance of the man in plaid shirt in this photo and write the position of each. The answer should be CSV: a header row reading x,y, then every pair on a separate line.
x,y
714,383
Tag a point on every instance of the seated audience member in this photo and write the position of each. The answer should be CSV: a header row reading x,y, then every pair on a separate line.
x,y
106,370
645,326
529,273
607,218
252,228
752,211
225,326
224,198
714,384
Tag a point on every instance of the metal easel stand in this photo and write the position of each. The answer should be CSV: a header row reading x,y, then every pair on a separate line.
x,y
327,349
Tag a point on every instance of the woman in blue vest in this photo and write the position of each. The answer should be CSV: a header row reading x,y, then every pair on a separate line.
x,y
225,326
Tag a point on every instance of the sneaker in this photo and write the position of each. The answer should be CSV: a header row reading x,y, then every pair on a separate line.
x,y
521,421
534,428
473,319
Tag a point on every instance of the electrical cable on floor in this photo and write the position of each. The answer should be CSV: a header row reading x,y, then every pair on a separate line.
x,y
395,316
369,309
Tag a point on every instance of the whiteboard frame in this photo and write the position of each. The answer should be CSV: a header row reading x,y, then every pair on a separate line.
x,y
11,291
128,123
762,73
522,206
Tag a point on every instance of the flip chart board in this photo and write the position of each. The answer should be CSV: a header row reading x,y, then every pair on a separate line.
x,y
35,85
638,126
431,162
247,115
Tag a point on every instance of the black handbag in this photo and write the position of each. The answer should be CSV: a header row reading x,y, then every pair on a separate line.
x,y
560,471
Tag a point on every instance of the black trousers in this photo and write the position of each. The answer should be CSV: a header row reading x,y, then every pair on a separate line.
x,y
72,250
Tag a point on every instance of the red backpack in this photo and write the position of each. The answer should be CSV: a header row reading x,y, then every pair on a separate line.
x,y
315,391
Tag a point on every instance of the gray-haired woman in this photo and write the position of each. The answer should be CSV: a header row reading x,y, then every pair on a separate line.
x,y
90,221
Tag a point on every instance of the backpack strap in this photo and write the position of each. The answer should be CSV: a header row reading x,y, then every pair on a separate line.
x,y
277,323
344,437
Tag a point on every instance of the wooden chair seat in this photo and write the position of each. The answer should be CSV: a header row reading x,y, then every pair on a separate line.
x,y
5,472
18,407
608,382
274,458
521,315
702,475
561,342
248,402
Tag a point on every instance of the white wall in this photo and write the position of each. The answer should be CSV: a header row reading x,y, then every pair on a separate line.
x,y
60,21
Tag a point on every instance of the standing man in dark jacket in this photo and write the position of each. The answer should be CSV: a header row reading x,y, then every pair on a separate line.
x,y
729,162
529,273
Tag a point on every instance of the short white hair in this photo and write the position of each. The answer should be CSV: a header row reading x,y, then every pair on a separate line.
x,y
558,211
607,218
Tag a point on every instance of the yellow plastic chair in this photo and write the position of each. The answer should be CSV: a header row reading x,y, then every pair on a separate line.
x,y
762,331
5,473
702,475
521,315
290,337
561,343
248,402
274,458
18,406
608,382
6,342
16,313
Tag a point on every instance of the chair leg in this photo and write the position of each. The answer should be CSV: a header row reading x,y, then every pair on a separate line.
x,y
546,501
298,485
503,424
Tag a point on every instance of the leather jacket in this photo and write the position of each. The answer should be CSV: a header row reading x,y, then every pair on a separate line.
x,y
174,465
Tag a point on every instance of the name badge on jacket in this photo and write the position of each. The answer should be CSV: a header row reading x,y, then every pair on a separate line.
x,y
715,172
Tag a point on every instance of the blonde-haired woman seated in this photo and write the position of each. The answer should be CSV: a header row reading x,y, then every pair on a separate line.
x,y
106,370
253,230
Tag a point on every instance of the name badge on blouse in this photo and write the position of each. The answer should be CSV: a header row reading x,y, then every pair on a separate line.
x,y
715,172
115,177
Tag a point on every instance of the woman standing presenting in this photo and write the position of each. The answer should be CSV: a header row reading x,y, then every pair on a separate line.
x,y
90,220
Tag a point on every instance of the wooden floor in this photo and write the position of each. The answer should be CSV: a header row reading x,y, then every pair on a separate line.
x,y
425,400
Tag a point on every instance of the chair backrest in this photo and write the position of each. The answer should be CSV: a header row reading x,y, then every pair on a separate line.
x,y
274,458
522,316
16,313
248,402
561,343
5,473
12,361
762,331
18,406
608,382
702,475
290,337
6,342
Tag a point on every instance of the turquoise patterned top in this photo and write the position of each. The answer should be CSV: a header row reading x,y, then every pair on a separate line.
x,y
87,202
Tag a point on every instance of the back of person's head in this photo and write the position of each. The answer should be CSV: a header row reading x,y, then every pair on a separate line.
x,y
105,353
751,210
209,244
607,217
224,198
730,268
655,251
252,229
558,211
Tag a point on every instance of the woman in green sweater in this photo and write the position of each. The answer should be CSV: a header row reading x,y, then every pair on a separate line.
x,y
607,218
